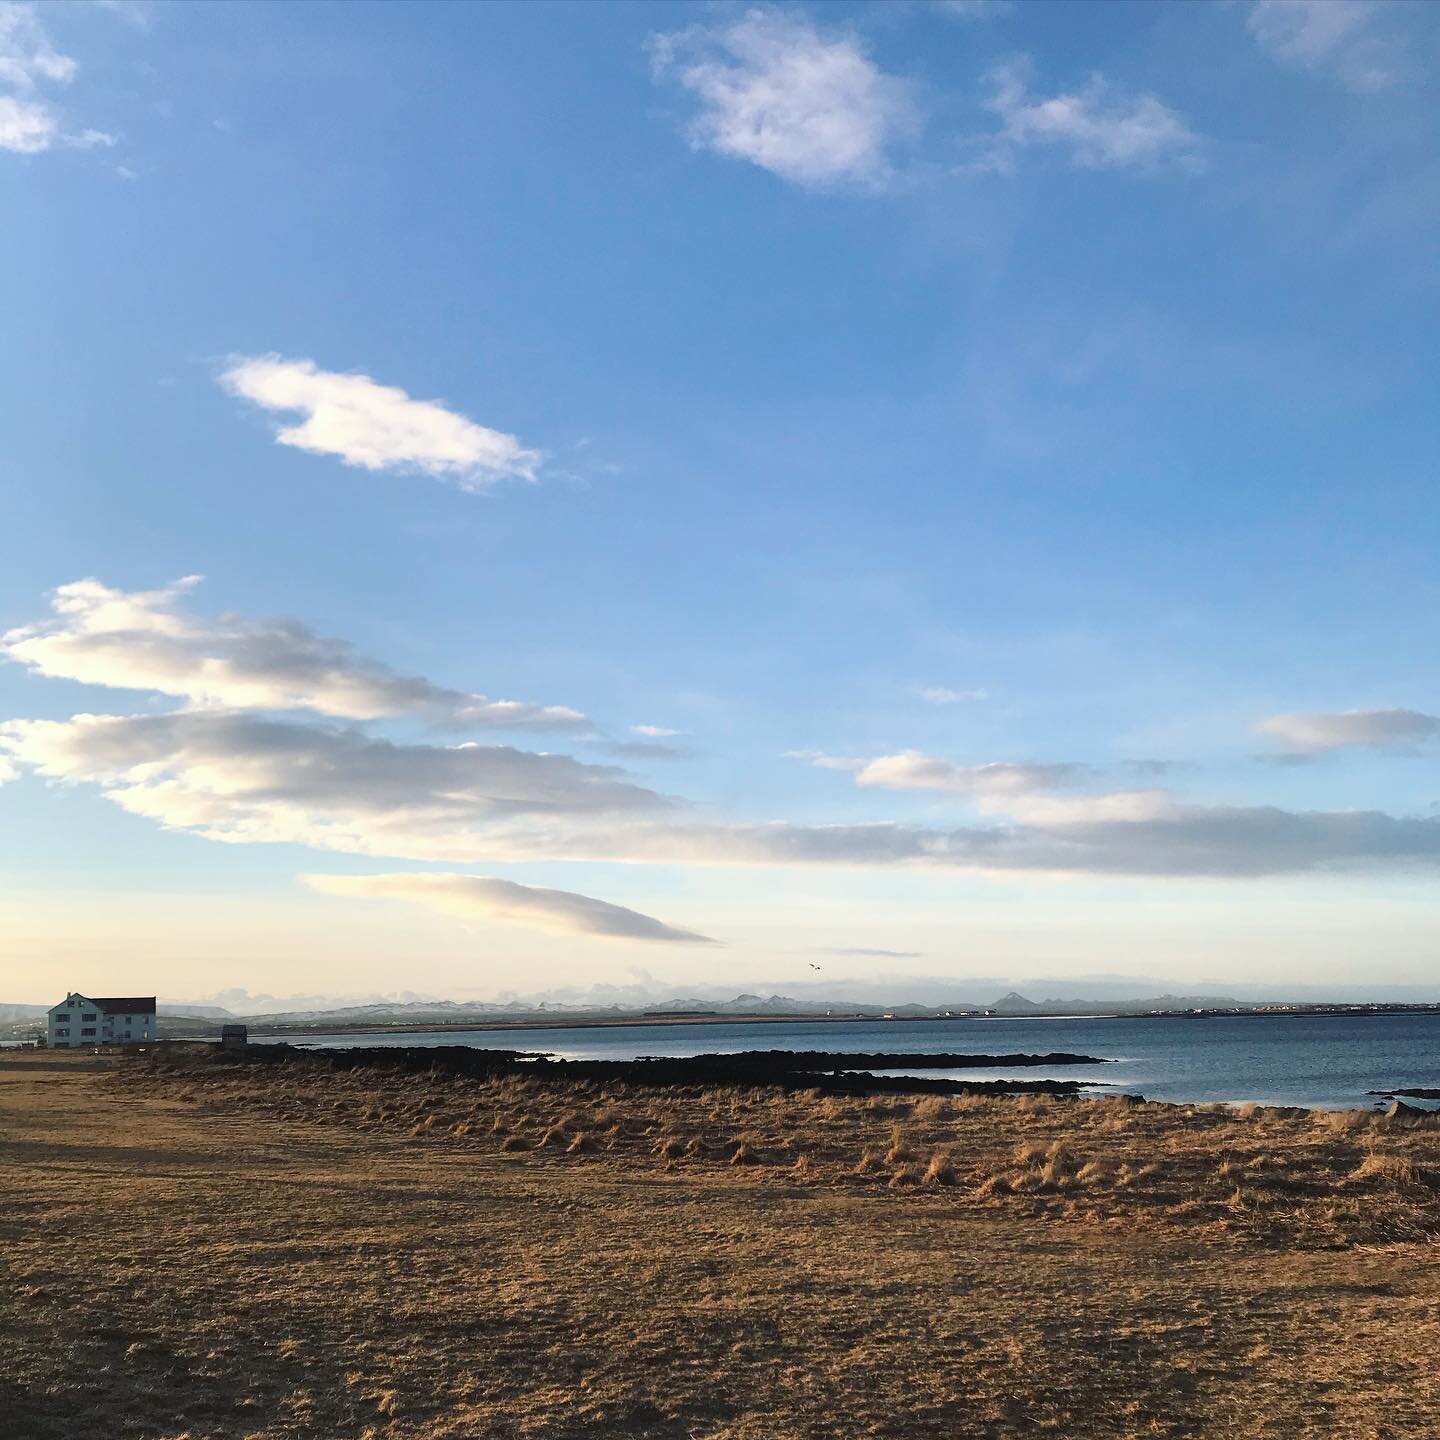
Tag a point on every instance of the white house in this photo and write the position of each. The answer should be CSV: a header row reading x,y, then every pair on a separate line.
x,y
111,1020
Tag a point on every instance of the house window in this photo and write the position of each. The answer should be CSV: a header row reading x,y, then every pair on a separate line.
x,y
62,1031
88,1030
62,1019
87,1017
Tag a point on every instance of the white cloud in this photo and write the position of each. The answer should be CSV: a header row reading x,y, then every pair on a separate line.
x,y
478,897
247,778
822,761
656,732
975,9
26,126
377,427
141,640
1098,127
774,90
1022,792
1318,731
943,695
914,770
243,779
1056,812
26,55
1335,35
28,60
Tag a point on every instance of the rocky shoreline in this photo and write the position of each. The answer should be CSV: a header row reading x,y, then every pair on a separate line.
x,y
838,1073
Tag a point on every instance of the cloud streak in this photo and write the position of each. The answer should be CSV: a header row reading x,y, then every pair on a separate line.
x,y
143,640
1315,732
1098,127
914,770
480,897
943,695
374,426
871,952
772,89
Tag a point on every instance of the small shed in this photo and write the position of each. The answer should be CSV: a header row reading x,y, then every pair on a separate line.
x,y
234,1037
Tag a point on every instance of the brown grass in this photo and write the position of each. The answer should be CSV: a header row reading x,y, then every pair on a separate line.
x,y
1115,1159
940,1170
277,1255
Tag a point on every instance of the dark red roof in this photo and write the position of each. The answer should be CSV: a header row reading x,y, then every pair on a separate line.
x,y
126,1004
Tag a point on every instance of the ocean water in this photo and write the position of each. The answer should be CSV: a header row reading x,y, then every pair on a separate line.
x,y
1323,1061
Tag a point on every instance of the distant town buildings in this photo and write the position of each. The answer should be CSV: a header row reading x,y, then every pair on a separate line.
x,y
105,1020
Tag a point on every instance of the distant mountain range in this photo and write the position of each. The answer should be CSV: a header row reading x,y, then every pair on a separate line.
x,y
622,1003
453,1012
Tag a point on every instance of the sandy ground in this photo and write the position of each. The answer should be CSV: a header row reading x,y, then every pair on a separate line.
x,y
172,1268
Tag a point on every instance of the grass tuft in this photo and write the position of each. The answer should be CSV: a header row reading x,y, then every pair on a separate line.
x,y
900,1149
940,1170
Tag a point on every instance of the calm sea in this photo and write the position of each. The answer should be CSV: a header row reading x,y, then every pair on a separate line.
x,y
1323,1061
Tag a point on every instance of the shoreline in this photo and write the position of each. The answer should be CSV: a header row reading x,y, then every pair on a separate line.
x,y
260,1028
1357,1011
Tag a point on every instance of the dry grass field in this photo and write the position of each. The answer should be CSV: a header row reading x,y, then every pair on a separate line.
x,y
216,1250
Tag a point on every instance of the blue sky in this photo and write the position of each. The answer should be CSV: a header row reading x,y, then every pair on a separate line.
x,y
997,439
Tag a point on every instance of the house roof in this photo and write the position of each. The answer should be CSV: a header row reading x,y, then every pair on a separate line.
x,y
126,1004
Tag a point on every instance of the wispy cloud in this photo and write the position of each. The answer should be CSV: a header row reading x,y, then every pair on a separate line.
x,y
822,761
1339,36
808,106
870,952
1188,840
943,695
377,427
914,770
482,898
29,61
975,9
1097,126
656,732
1315,732
143,640
136,13
27,55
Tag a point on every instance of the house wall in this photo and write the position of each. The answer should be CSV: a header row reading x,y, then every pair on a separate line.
x,y
76,1030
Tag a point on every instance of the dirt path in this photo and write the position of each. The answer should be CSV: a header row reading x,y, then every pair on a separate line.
x,y
170,1272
